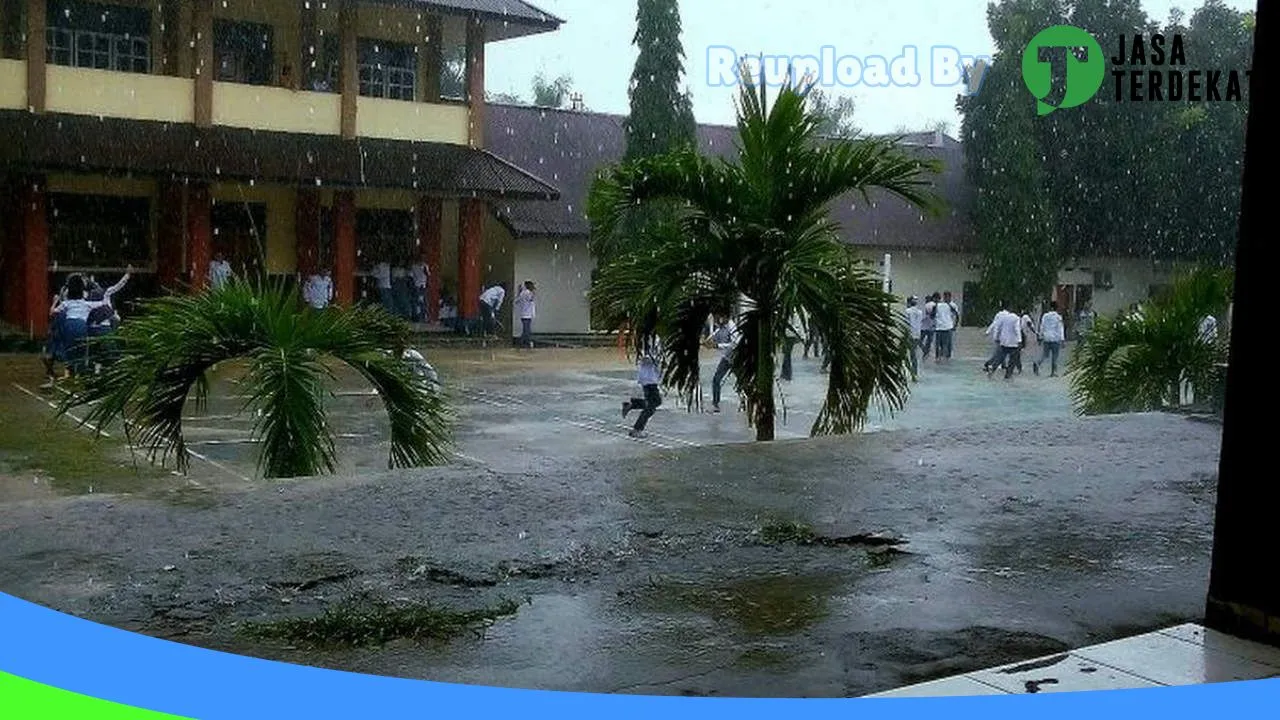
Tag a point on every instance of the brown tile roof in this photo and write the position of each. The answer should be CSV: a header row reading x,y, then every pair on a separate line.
x,y
76,143
513,18
568,148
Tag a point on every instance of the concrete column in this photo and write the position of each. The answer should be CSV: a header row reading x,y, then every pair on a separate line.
x,y
431,60
199,234
204,62
32,206
430,236
1244,598
171,235
37,77
344,247
475,81
348,68
470,246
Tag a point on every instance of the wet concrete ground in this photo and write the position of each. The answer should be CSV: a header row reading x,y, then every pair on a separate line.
x,y
1028,531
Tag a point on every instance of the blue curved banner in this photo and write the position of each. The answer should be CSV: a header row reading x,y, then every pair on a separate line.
x,y
43,651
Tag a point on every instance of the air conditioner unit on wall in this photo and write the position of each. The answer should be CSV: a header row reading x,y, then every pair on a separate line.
x,y
1102,279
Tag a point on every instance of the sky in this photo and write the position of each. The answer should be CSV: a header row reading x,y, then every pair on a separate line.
x,y
594,48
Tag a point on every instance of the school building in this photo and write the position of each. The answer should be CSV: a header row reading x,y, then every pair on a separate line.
x,y
290,135
285,135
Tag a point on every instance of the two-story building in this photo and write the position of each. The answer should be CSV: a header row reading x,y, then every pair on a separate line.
x,y
285,135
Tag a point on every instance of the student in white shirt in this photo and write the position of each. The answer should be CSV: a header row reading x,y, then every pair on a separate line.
x,y
490,305
725,339
1006,329
318,292
70,313
1053,332
945,318
915,334
648,377
420,274
219,271
1209,329
382,279
525,303
1028,328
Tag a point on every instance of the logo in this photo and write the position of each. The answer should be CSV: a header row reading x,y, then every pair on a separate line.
x,y
1084,74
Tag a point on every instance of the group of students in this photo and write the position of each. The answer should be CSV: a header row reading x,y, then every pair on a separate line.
x,y
931,328
491,301
1011,332
402,289
81,310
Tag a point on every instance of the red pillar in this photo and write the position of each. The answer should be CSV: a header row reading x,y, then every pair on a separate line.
x,y
430,231
308,232
344,247
470,242
199,234
170,237
35,255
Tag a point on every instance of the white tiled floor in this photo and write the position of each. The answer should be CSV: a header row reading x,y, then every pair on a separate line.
x,y
1183,655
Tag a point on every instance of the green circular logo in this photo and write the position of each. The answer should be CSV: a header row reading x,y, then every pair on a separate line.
x,y
1084,76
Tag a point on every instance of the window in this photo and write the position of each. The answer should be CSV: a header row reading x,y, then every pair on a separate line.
x,y
103,37
243,52
453,73
96,231
388,70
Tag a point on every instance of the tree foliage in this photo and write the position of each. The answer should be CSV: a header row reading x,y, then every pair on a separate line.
x,y
837,114
1141,179
1137,363
759,228
661,116
165,351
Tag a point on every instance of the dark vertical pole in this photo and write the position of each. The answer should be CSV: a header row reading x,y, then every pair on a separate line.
x,y
35,256
204,61
348,42
199,233
1244,597
431,60
37,76
475,80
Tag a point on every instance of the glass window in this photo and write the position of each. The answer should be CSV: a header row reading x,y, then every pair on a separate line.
x,y
99,231
453,73
243,52
388,70
103,37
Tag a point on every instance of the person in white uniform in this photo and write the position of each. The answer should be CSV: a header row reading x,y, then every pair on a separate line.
x,y
318,292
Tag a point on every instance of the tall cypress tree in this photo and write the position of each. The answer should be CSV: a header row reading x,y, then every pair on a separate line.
x,y
661,112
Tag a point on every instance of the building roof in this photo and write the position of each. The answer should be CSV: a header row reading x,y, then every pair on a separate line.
x,y
77,143
568,148
516,17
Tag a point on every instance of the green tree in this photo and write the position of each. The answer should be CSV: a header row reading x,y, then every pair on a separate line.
x,y
837,114
661,111
760,228
1012,214
552,93
1139,363
166,350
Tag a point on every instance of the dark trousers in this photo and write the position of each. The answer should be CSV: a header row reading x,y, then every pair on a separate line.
x,y
488,319
913,345
1008,358
526,332
944,339
647,406
716,381
926,342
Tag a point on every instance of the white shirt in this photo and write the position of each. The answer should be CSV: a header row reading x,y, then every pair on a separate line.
x,y
726,339
80,309
1006,329
648,368
318,292
1028,326
1209,329
448,312
926,323
525,304
1051,328
915,321
944,318
219,273
494,296
382,273
420,274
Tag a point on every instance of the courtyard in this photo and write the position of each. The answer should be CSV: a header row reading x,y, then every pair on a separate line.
x,y
983,525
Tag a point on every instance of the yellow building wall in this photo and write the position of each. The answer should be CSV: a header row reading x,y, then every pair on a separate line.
x,y
13,84
277,109
81,91
403,120
561,268
282,222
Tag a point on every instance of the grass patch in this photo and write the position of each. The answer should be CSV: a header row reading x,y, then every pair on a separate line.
x,y
363,623
32,442
775,605
787,533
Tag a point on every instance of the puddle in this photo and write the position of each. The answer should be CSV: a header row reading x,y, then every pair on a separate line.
x,y
774,605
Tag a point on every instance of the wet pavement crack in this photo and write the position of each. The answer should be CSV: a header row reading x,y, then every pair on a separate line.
x,y
1035,665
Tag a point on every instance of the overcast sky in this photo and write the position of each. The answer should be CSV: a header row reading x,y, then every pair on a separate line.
x,y
594,47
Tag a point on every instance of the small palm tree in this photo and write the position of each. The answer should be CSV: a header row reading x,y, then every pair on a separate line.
x,y
164,353
757,230
1140,363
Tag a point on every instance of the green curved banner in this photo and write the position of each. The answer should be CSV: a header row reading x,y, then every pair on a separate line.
x,y
22,699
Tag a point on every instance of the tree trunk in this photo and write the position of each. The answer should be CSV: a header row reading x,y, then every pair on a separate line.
x,y
764,403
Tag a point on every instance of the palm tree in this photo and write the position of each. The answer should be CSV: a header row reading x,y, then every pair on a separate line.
x,y
758,229
1140,362
164,353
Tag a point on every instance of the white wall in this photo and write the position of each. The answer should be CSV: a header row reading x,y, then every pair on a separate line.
x,y
561,269
924,272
